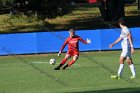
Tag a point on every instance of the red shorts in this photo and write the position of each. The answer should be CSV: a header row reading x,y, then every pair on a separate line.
x,y
73,52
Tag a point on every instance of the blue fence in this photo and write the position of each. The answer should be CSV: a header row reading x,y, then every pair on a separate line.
x,y
46,42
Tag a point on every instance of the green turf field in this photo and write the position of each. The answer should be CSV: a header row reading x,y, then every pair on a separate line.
x,y
90,74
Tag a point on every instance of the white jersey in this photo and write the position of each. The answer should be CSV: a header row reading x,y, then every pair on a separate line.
x,y
125,42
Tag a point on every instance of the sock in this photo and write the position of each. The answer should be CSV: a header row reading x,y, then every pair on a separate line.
x,y
132,68
120,69
63,61
71,62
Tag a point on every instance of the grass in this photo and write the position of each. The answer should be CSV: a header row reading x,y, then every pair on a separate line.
x,y
18,23
86,17
34,74
83,16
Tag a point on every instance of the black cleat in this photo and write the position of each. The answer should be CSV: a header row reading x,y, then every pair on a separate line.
x,y
65,67
57,68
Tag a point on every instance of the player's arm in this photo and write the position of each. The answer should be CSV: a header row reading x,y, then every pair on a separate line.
x,y
129,36
63,46
85,42
118,40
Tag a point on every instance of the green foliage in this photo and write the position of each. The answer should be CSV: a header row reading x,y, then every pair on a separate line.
x,y
43,8
6,1
19,23
52,8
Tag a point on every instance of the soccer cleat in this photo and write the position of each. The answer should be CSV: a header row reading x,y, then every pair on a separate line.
x,y
57,68
119,77
132,77
116,77
65,67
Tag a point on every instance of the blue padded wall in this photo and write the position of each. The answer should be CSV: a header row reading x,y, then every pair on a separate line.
x,y
18,43
47,42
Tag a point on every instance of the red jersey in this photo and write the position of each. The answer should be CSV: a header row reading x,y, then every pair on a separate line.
x,y
73,43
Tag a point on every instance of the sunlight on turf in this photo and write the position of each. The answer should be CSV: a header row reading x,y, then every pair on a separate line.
x,y
36,75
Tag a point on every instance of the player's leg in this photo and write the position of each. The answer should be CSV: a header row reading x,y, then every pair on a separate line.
x,y
75,57
65,59
63,62
132,68
121,61
124,55
73,60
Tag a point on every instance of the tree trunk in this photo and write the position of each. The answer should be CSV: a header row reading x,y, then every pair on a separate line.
x,y
112,10
119,10
103,11
139,5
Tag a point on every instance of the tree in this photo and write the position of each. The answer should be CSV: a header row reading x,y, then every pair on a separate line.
x,y
112,10
53,8
42,8
48,8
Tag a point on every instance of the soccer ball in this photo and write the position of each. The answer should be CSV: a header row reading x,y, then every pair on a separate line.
x,y
52,61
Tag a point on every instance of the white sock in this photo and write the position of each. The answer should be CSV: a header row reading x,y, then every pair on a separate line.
x,y
132,68
120,69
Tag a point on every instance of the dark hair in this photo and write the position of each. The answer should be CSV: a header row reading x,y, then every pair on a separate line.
x,y
122,21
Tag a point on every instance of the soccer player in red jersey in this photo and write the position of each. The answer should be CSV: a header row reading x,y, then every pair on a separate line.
x,y
73,49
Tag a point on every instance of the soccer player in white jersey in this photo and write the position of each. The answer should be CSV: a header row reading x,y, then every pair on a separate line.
x,y
127,49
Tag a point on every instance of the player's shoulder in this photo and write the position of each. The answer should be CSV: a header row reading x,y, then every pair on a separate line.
x,y
126,29
68,38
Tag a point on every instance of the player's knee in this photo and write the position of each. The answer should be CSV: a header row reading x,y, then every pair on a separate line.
x,y
121,62
129,62
67,57
74,59
122,59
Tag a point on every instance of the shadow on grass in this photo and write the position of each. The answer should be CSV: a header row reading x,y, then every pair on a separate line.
x,y
121,90
93,21
84,24
133,21
96,23
82,20
21,29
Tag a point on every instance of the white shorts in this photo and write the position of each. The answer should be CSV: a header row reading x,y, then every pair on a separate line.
x,y
126,53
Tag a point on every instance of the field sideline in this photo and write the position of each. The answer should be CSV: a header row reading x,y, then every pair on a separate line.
x,y
90,74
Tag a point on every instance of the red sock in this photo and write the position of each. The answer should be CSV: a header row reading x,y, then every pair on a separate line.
x,y
63,61
71,62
